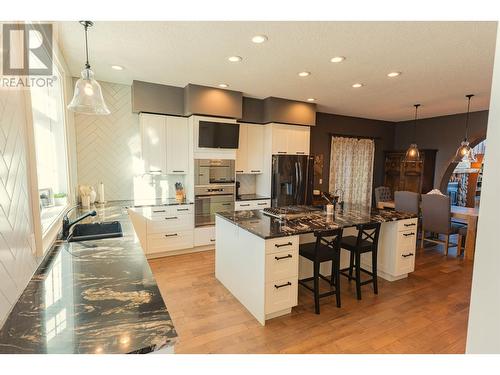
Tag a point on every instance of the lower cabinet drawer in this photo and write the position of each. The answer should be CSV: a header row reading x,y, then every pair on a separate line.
x,y
169,223
169,241
204,236
282,265
281,294
405,253
408,224
277,245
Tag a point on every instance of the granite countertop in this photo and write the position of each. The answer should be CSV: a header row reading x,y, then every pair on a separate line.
x,y
91,297
250,197
266,227
154,202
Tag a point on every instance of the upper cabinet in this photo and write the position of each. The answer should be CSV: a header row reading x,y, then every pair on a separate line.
x,y
290,139
165,144
250,153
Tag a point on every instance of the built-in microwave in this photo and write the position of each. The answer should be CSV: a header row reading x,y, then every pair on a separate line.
x,y
213,171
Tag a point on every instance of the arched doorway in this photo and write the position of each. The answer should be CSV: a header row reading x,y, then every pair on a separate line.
x,y
479,145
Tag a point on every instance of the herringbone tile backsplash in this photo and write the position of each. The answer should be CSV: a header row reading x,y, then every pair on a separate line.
x,y
109,147
17,259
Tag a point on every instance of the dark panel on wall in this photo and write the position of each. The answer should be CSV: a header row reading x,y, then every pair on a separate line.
x,y
154,98
381,131
204,100
253,110
289,111
444,134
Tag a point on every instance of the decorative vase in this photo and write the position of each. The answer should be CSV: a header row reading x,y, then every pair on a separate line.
x,y
92,195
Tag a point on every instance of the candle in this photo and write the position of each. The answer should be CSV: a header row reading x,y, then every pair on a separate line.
x,y
101,193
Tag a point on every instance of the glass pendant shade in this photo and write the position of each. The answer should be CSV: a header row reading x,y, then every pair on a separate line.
x,y
465,153
88,97
412,154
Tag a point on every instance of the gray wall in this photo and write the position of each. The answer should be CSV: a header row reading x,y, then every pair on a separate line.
x,y
444,134
203,100
154,98
382,131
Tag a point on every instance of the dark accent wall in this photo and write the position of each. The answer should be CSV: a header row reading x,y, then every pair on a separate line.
x,y
154,98
253,110
287,111
326,123
444,134
203,100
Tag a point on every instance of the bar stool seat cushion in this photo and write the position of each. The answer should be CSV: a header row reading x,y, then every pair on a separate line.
x,y
349,243
308,250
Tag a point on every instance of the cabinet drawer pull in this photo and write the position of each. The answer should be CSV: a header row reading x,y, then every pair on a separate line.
x,y
183,209
255,170
408,234
281,152
409,225
155,171
177,171
407,255
261,204
171,218
171,235
282,285
239,171
212,240
156,211
300,152
245,205
283,244
226,204
284,257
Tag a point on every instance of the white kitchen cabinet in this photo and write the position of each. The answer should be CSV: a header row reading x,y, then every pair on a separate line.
x,y
252,205
290,139
153,143
250,153
204,236
177,145
165,144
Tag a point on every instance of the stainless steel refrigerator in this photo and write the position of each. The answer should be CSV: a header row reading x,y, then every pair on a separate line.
x,y
292,180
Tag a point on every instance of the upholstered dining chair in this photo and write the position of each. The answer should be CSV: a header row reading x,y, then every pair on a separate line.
x,y
407,201
382,194
436,218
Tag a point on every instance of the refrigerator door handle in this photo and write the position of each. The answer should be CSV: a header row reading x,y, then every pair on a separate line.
x,y
297,183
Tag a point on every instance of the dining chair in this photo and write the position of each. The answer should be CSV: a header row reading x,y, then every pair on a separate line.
x,y
382,194
407,201
326,248
462,236
436,218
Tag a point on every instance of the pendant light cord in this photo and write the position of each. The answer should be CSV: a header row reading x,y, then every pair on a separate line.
x,y
415,124
469,96
86,25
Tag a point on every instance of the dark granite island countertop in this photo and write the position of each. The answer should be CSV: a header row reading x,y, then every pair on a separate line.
x,y
267,227
91,297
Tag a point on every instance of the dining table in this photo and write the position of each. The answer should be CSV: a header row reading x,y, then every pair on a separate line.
x,y
468,215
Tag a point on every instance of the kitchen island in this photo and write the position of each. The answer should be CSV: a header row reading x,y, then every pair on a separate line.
x,y
257,256
95,296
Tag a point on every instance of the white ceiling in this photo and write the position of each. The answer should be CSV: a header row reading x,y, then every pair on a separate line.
x,y
440,61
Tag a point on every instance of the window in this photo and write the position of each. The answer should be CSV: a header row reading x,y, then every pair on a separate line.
x,y
351,169
50,148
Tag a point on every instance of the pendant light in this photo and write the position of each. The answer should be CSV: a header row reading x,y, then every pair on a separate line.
x,y
87,98
412,154
465,153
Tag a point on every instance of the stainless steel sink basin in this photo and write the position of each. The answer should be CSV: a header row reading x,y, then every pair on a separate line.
x,y
96,231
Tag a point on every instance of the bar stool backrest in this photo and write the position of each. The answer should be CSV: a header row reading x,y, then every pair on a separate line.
x,y
330,238
368,232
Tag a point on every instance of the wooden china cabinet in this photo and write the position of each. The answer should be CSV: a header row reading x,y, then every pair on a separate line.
x,y
409,176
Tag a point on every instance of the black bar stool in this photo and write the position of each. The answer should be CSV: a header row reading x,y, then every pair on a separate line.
x,y
326,248
366,241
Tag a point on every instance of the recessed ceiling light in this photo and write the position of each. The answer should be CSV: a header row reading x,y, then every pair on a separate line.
x,y
393,74
357,85
304,74
259,39
337,59
117,67
234,58
311,99
223,85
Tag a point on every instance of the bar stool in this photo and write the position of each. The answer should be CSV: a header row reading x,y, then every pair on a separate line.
x,y
325,248
366,241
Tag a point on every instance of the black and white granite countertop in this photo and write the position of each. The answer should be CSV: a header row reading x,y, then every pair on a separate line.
x,y
250,197
266,227
154,202
91,297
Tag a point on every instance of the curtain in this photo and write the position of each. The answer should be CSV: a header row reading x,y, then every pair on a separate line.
x,y
351,169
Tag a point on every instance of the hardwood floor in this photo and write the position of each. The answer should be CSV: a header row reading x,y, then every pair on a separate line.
x,y
425,313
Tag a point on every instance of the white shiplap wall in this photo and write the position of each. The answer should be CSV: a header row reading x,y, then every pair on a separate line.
x,y
109,147
17,248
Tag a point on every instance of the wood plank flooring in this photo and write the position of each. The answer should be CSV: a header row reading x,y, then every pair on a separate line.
x,y
425,313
